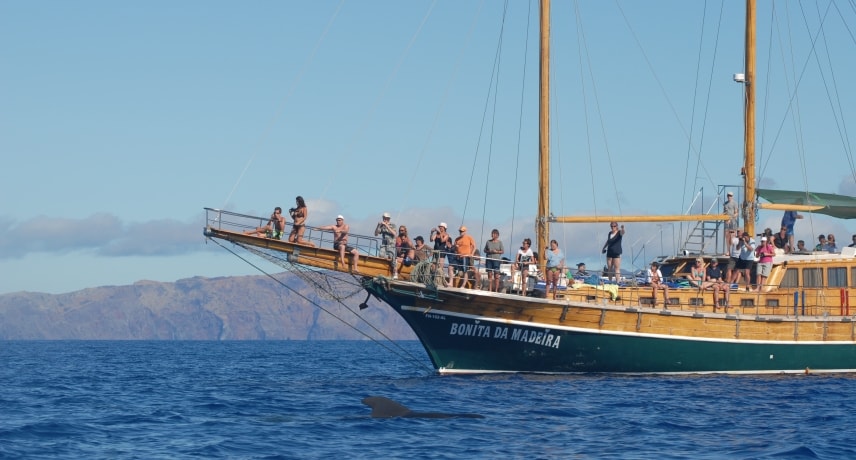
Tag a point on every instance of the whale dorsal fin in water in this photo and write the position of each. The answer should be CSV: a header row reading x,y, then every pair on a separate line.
x,y
386,408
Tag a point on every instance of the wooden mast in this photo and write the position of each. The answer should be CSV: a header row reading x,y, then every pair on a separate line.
x,y
749,126
542,224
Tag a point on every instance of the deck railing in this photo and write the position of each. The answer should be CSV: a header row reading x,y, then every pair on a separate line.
x,y
237,222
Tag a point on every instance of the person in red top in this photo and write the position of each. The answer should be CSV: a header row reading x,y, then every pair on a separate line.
x,y
465,247
765,254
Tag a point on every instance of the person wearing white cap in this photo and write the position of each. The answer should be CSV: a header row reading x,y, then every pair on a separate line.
x,y
442,245
340,241
730,208
386,229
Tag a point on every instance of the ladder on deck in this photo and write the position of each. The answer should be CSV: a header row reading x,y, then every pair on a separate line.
x,y
706,237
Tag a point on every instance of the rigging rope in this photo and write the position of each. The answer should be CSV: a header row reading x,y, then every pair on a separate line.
x,y
324,287
282,105
519,131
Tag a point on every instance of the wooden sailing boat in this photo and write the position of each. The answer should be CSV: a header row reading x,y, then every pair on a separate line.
x,y
800,321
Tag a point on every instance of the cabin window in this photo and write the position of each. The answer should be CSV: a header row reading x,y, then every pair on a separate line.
x,y
837,276
791,278
812,277
853,277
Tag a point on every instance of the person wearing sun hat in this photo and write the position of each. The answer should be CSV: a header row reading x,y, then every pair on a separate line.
x,y
442,245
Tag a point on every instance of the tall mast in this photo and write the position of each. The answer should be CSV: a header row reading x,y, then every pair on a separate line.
x,y
749,120
542,225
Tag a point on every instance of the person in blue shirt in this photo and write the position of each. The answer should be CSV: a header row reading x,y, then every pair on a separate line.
x,y
788,221
830,244
555,266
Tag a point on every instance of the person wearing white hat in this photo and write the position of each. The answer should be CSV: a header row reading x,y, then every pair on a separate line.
x,y
340,241
386,229
442,245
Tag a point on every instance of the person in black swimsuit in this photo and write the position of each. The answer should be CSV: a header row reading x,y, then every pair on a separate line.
x,y
299,214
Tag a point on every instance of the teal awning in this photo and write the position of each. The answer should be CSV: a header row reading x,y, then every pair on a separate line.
x,y
841,206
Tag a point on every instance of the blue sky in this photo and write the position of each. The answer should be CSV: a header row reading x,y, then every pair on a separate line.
x,y
120,121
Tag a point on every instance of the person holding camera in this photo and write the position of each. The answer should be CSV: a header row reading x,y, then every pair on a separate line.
x,y
746,256
299,213
442,247
386,230
273,228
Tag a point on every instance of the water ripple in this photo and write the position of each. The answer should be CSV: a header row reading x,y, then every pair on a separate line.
x,y
284,400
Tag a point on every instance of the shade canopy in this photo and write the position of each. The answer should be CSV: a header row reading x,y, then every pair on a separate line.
x,y
841,206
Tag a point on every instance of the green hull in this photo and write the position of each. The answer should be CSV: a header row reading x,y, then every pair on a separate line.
x,y
459,343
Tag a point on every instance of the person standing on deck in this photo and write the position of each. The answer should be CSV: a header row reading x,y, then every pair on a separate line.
x,y
733,256
493,250
386,229
465,247
782,238
525,257
555,259
299,213
746,246
612,249
765,254
788,221
730,209
442,245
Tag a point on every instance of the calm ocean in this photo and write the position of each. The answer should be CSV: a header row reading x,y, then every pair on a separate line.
x,y
302,400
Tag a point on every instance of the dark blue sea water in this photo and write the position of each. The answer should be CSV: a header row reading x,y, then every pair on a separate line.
x,y
302,400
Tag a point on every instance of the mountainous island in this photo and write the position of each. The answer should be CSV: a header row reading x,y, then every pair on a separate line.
x,y
226,308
